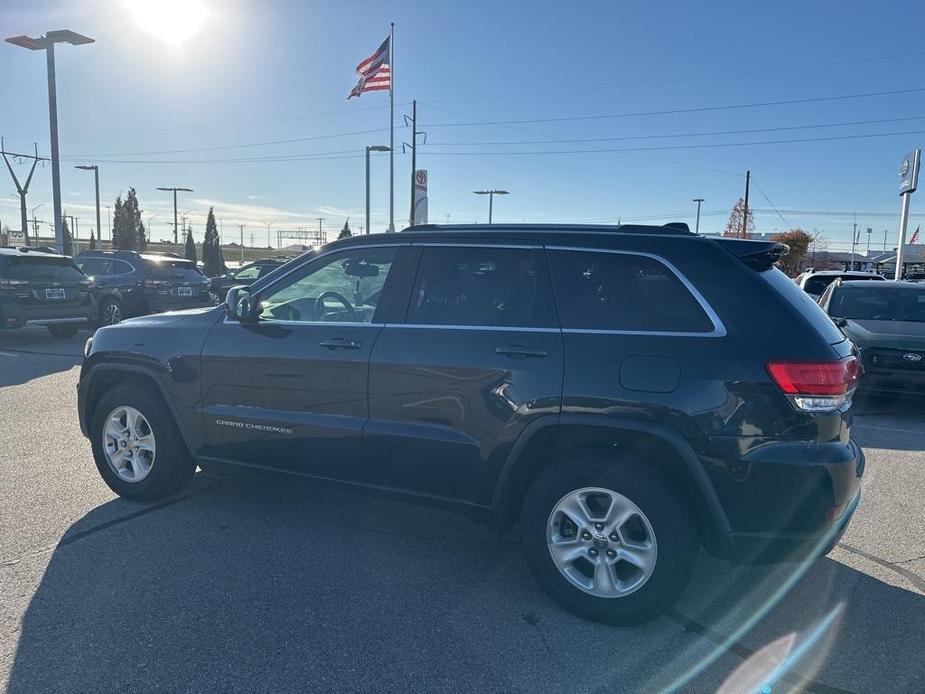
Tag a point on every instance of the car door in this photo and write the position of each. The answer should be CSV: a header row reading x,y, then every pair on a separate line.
x,y
289,391
474,358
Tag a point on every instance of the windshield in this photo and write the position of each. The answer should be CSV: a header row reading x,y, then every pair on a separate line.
x,y
881,303
42,268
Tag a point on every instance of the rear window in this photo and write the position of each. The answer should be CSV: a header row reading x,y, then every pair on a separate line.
x,y
622,291
44,268
900,303
803,303
180,270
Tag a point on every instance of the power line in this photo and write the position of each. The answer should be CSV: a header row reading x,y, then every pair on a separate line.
x,y
765,196
697,109
674,135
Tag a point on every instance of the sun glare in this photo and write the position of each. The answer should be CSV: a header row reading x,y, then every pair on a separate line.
x,y
172,21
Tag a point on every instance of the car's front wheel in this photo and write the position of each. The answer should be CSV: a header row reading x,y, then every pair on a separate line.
x,y
607,538
136,445
111,312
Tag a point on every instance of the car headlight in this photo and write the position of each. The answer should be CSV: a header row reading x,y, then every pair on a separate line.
x,y
88,345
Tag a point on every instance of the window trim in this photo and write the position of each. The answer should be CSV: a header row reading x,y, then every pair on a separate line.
x,y
719,329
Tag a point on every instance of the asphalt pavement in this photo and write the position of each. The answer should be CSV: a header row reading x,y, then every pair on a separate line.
x,y
255,585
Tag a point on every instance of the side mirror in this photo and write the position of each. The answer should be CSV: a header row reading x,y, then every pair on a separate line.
x,y
238,305
839,321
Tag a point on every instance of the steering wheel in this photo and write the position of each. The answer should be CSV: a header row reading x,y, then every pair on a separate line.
x,y
319,304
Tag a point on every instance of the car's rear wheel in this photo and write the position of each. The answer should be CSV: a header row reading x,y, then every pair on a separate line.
x,y
607,538
136,445
111,312
214,298
66,330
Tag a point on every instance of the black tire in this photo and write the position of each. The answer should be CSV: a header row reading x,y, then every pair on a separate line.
x,y
675,538
172,466
64,330
111,311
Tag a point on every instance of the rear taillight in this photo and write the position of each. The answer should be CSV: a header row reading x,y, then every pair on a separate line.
x,y
817,386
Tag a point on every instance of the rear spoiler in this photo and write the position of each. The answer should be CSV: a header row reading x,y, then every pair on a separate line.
x,y
758,255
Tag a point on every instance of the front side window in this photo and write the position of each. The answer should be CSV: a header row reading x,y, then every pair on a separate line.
x,y
625,292
476,286
344,288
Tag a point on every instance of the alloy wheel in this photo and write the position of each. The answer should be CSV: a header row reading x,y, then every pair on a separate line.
x,y
128,442
112,314
601,542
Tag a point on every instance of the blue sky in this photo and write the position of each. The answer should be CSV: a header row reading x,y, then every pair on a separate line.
x,y
275,70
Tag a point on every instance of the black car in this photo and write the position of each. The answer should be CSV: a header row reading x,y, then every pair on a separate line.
x,y
243,276
128,283
886,320
40,288
624,394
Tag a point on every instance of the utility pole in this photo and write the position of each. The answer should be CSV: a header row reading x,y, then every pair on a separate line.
x,y
699,201
491,198
242,243
109,222
854,240
174,190
748,180
24,188
96,180
869,231
321,237
884,240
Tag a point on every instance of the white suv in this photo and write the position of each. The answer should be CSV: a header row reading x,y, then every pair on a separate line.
x,y
814,282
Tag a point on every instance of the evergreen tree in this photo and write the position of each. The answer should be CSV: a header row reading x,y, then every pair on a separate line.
x,y
345,233
68,246
190,250
128,231
212,261
93,244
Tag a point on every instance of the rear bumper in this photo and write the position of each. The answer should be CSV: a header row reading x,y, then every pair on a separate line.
x,y
792,499
16,316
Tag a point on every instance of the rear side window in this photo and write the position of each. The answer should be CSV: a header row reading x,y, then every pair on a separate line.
x,y
39,268
622,291
803,303
173,270
478,286
817,285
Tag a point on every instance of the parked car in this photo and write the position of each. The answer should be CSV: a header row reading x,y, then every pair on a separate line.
x,y
243,276
624,394
886,321
41,288
128,283
814,282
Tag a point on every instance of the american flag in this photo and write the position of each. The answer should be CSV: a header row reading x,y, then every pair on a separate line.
x,y
915,236
375,72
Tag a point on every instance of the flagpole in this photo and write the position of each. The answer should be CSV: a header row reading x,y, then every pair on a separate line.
x,y
391,126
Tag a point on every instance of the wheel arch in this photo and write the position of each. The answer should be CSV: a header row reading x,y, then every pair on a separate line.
x,y
103,376
546,439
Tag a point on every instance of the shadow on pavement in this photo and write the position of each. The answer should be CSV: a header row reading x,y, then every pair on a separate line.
x,y
32,353
245,585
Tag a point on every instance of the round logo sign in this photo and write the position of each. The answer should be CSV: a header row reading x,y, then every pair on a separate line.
x,y
904,167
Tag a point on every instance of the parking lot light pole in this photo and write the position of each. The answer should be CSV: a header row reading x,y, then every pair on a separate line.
x,y
47,43
491,198
96,180
371,148
174,190
699,202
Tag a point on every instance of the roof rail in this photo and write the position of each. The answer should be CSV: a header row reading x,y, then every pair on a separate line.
x,y
673,228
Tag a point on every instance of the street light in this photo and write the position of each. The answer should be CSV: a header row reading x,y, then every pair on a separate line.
x,y
491,198
47,43
96,180
699,201
371,148
174,190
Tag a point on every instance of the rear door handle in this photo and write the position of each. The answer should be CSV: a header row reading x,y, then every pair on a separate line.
x,y
340,343
520,351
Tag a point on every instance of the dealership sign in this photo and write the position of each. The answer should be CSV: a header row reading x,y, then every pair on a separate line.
x,y
909,172
420,196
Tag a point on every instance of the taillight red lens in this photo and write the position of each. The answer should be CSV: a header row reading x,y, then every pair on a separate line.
x,y
815,378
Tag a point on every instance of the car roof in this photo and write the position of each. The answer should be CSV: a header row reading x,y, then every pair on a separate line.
x,y
672,228
842,273
27,253
882,286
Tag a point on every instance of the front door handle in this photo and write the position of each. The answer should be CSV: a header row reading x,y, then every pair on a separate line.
x,y
520,351
340,343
